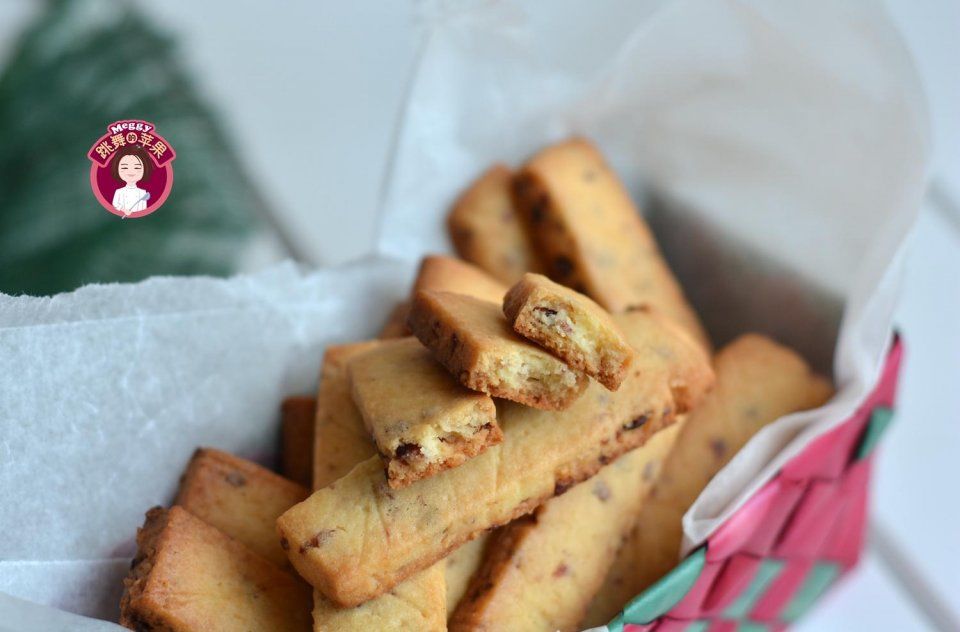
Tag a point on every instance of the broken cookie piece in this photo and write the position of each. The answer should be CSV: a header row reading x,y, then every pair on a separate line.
x,y
422,420
474,341
189,576
572,326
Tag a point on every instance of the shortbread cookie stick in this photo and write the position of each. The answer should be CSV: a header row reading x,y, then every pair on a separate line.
x,y
461,566
485,229
421,419
439,273
573,327
540,574
297,418
591,237
189,576
340,440
474,341
240,498
758,381
358,538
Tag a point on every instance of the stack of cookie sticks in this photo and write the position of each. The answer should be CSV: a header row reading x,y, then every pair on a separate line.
x,y
514,452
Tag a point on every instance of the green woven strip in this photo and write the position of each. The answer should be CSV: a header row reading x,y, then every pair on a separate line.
x,y
698,626
880,419
666,593
617,624
816,583
752,626
768,571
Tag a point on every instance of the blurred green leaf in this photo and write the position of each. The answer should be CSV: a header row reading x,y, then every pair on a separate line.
x,y
82,65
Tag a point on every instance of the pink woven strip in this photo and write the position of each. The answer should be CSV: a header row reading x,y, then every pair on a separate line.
x,y
781,591
737,574
691,606
812,522
733,535
846,540
788,494
672,625
829,454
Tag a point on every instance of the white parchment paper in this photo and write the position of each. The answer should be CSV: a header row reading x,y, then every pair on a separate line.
x,y
778,149
106,392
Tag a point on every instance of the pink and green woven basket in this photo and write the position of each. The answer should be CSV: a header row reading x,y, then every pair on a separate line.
x,y
772,560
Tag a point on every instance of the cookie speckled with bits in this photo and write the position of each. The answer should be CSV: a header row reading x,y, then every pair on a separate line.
x,y
422,420
240,498
189,576
591,236
758,381
540,573
473,340
486,231
573,327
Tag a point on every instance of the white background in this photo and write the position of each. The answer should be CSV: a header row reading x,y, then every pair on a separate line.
x,y
311,94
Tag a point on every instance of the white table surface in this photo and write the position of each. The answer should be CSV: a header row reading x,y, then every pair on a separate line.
x,y
344,113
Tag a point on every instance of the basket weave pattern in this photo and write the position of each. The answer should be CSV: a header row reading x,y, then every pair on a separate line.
x,y
771,561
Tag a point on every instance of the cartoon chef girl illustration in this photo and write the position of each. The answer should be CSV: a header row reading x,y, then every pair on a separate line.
x,y
130,165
